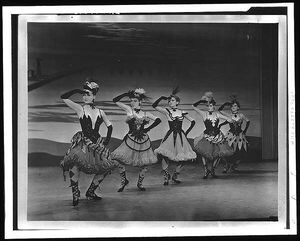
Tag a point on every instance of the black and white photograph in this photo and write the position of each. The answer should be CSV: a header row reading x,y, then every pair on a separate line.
x,y
153,120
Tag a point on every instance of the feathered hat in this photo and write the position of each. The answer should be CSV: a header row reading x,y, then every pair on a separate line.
x,y
138,93
208,96
233,100
91,85
174,94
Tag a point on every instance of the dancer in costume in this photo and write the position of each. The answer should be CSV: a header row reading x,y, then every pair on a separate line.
x,y
236,137
174,145
135,150
211,144
88,152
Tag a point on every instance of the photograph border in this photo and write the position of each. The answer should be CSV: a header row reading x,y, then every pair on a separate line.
x,y
287,222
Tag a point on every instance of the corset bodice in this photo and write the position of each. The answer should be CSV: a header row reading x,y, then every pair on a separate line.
x,y
87,127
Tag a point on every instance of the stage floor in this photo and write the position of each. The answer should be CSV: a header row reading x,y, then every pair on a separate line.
x,y
249,194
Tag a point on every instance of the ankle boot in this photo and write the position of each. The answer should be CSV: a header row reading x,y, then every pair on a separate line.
x,y
90,193
140,183
174,178
124,181
167,177
206,172
213,174
75,192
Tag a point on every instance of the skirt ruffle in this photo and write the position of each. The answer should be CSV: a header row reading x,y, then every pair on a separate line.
x,y
178,152
135,152
91,158
237,142
212,147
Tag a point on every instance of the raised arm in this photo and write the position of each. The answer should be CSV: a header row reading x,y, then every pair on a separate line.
x,y
154,124
201,112
224,117
109,127
186,115
158,108
222,107
120,104
65,97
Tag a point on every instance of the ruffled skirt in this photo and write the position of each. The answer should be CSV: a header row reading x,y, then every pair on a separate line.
x,y
181,150
89,157
135,152
212,147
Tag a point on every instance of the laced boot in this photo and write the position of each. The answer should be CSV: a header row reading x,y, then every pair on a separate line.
x,y
175,178
90,193
75,192
124,181
206,172
167,177
140,183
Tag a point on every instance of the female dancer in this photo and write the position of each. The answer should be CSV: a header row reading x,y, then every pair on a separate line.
x,y
236,137
87,152
175,145
211,144
136,147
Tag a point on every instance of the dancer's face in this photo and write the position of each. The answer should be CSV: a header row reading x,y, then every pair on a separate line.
x,y
135,103
234,107
88,97
173,102
210,107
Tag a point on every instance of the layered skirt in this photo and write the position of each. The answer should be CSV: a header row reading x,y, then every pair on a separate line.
x,y
89,157
212,146
135,151
176,148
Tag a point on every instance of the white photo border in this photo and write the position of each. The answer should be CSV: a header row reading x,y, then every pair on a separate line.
x,y
286,107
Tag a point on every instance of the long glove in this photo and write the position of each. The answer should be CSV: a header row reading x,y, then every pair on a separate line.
x,y
119,97
155,104
223,123
72,92
108,135
246,128
155,123
200,102
222,106
190,128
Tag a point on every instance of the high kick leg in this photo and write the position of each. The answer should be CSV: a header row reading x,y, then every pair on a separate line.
x,y
74,176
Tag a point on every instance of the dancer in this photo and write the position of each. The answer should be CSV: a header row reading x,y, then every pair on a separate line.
x,y
174,145
211,144
135,150
87,152
236,137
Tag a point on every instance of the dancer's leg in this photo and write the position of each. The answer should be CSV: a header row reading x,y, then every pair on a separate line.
x,y
90,193
206,171
142,173
74,177
177,172
124,180
165,166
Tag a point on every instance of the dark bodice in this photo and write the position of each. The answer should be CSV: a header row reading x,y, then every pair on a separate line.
x,y
211,129
236,126
137,124
87,127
